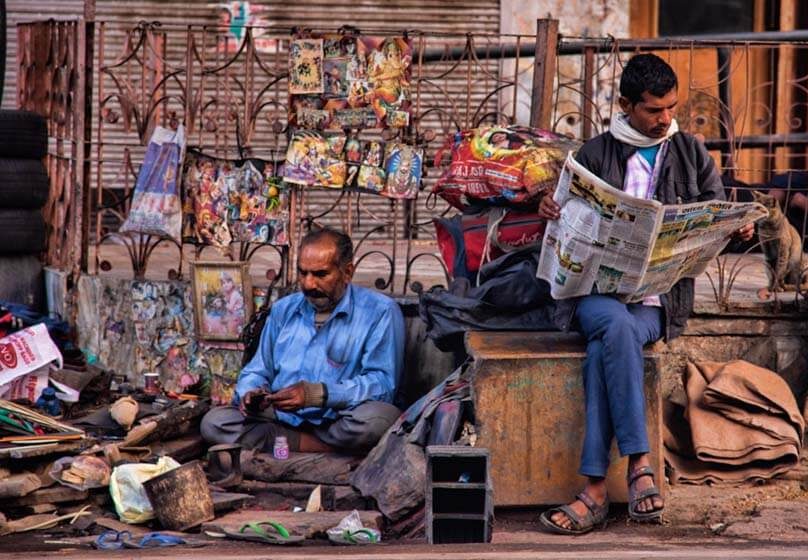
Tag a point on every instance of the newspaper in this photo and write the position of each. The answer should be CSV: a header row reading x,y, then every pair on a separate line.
x,y
609,242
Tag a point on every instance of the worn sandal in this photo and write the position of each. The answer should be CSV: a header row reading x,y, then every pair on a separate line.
x,y
268,532
596,516
635,497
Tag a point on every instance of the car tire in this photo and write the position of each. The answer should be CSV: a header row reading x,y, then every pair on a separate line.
x,y
23,135
23,183
21,232
22,280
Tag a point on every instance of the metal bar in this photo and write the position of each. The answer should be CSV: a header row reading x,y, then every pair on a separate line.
x,y
758,141
544,67
587,93
85,128
608,45
725,97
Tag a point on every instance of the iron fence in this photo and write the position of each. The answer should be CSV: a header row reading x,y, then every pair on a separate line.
x,y
105,87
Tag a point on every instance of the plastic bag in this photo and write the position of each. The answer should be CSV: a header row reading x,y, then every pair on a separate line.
x,y
126,488
24,358
351,531
81,472
156,207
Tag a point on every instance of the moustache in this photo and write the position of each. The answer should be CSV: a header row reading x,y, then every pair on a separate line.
x,y
314,294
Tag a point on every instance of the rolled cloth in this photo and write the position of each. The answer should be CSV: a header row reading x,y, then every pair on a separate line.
x,y
741,423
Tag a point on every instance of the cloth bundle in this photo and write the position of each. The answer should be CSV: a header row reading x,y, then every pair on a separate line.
x,y
741,423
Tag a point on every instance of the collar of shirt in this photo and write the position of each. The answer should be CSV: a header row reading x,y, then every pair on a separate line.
x,y
344,307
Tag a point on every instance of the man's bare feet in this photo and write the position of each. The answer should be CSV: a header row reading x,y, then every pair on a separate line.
x,y
644,482
596,489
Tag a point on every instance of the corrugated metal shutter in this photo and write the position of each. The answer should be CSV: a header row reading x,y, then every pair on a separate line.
x,y
441,20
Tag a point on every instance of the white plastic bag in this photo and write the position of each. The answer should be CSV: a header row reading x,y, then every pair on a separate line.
x,y
351,531
126,487
26,351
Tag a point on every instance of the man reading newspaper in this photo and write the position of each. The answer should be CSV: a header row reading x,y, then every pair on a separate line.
x,y
646,156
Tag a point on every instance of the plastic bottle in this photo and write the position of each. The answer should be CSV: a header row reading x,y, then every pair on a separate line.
x,y
281,448
48,402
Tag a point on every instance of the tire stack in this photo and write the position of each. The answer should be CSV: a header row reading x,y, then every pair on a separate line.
x,y
23,193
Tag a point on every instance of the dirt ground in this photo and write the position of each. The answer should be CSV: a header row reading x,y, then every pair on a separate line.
x,y
765,521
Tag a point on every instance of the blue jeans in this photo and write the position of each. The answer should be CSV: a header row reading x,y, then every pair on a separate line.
x,y
613,377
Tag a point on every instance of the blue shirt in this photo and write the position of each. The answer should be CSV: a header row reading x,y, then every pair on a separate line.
x,y
649,154
357,354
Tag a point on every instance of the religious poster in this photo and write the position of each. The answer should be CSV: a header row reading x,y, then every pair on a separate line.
x,y
315,159
402,165
306,66
365,83
371,173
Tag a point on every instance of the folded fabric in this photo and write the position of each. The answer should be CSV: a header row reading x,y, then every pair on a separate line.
x,y
742,423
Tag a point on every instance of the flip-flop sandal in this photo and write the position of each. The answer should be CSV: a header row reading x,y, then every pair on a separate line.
x,y
596,516
358,536
112,540
256,532
635,497
155,540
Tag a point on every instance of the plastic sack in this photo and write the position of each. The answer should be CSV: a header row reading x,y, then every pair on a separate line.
x,y
126,488
25,352
156,207
501,166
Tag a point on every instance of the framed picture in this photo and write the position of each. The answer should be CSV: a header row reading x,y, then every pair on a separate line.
x,y
222,299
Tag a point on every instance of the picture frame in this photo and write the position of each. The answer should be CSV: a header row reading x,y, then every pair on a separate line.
x,y
222,299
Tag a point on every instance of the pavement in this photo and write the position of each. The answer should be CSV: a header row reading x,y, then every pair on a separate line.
x,y
702,522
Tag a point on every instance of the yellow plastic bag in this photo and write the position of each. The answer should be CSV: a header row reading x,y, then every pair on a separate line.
x,y
126,487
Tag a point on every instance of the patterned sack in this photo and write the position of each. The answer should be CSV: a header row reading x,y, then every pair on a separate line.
x,y
156,207
501,166
233,200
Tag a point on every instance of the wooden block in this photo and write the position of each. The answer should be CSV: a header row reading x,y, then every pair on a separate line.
x,y
310,525
529,406
52,495
25,523
182,449
30,451
228,501
18,485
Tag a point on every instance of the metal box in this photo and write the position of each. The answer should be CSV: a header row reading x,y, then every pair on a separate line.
x,y
459,506
529,405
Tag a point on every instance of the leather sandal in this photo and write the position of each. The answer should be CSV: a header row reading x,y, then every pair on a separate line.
x,y
596,516
635,497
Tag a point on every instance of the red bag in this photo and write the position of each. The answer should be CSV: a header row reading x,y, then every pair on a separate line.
x,y
501,166
464,239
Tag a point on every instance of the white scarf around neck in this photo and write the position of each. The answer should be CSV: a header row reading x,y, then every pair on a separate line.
x,y
623,131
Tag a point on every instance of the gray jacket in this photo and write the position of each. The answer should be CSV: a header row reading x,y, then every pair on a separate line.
x,y
688,174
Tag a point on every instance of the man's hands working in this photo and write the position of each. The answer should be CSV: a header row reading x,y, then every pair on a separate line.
x,y
299,395
254,401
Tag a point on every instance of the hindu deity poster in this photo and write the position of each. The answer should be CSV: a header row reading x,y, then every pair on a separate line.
x,y
371,173
306,66
365,84
315,159
402,165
